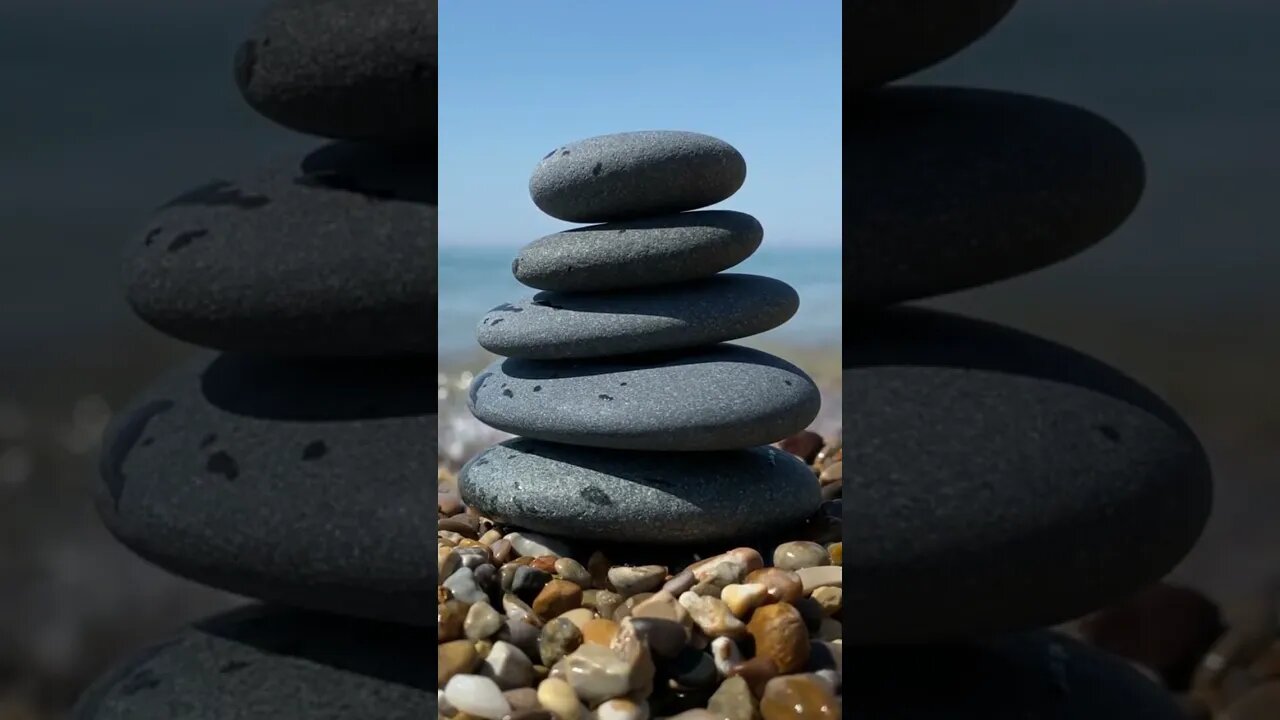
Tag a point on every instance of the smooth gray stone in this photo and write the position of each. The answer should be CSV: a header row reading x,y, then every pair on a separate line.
x,y
299,482
636,174
890,39
719,398
263,663
996,481
348,69
1034,675
637,253
333,256
632,496
552,326
956,188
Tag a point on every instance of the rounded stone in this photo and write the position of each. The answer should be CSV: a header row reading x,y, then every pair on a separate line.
x,y
260,663
894,38
344,68
332,256
636,174
294,481
552,326
1039,675
660,498
639,253
949,419
958,188
718,398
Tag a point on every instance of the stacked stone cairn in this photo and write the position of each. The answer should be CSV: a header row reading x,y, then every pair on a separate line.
x,y
998,482
292,465
642,433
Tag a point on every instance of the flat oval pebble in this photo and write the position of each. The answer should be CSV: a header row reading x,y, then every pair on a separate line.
x,y
638,253
335,255
1038,675
992,471
272,664
637,496
553,326
636,174
344,68
894,38
718,398
958,188
300,482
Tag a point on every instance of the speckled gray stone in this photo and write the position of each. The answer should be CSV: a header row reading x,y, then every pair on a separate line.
x,y
636,174
637,253
332,256
631,496
717,398
300,482
1035,675
577,325
272,664
996,481
889,39
348,69
957,188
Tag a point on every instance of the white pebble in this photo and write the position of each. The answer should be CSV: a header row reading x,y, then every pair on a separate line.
x,y
477,695
509,667
533,545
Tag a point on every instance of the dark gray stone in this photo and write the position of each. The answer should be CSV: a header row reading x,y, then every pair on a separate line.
x,y
717,398
889,39
300,482
955,188
636,174
637,253
640,497
347,69
335,255
997,481
1036,675
273,664
551,326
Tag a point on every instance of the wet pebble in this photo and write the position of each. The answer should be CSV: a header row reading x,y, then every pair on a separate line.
x,y
665,638
457,657
712,616
782,585
780,635
559,638
508,666
573,571
559,697
733,701
799,554
477,695
629,581
527,582
798,697
482,621
743,599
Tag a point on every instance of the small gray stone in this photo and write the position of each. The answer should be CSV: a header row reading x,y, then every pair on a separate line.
x,y
889,39
639,253
462,583
990,472
552,326
636,174
716,398
640,497
333,256
958,188
275,663
507,666
528,582
345,68
559,637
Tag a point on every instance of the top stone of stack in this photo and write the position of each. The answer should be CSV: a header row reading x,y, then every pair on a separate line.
x,y
345,69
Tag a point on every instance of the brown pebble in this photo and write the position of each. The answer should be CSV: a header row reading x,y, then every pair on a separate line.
x,y
465,525
757,671
782,585
836,552
443,595
733,700
572,570
832,472
559,638
664,606
516,609
805,445
798,697
781,636
545,563
449,620
456,657
557,597
599,631
830,454
522,699
535,714
679,583
490,537
501,550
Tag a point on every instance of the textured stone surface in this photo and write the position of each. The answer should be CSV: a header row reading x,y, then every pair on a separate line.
x,y
1039,675
636,253
333,255
637,496
576,325
636,174
999,481
298,482
889,39
272,664
957,188
344,68
717,398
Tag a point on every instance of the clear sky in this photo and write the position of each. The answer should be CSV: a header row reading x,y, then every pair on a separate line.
x,y
519,78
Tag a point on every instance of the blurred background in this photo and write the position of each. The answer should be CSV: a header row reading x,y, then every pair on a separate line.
x,y
110,109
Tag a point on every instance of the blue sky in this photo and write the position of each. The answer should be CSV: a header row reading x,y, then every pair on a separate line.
x,y
520,78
